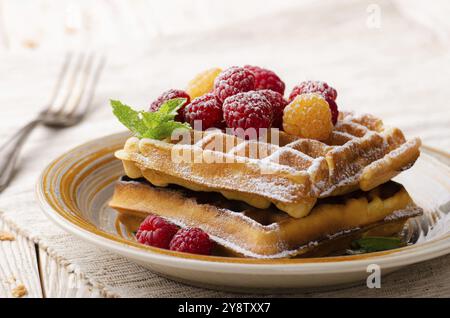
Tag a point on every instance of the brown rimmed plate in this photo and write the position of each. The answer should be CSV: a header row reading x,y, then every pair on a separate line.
x,y
74,191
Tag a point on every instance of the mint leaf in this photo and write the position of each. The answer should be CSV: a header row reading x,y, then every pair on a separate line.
x,y
129,117
161,126
377,243
166,112
172,106
154,125
165,129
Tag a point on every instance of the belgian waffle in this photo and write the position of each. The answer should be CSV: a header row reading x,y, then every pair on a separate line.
x,y
290,172
269,233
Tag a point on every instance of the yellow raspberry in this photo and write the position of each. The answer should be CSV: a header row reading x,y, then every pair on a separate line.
x,y
308,116
202,83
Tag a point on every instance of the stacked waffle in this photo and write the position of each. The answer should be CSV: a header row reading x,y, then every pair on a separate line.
x,y
279,196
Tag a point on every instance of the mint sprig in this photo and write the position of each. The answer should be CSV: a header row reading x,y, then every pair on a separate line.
x,y
155,125
371,244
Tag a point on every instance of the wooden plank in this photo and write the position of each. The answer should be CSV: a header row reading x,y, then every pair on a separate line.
x,y
59,281
22,263
19,273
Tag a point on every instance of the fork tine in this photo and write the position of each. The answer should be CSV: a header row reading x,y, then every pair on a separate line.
x,y
81,74
91,76
74,91
68,84
59,81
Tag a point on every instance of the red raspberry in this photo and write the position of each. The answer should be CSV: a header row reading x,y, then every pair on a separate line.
x,y
193,241
205,108
247,110
266,79
232,81
278,104
313,87
171,94
156,231
334,110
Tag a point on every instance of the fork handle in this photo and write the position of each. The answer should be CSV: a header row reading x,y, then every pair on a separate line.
x,y
9,152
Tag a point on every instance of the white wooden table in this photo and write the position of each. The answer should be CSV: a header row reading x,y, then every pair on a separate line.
x,y
59,25
24,264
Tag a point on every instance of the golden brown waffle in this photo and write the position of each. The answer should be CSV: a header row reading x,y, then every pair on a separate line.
x,y
290,172
270,233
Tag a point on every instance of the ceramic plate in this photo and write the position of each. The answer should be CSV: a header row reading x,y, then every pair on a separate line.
x,y
74,191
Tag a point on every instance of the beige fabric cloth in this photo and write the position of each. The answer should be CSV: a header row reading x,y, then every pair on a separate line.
x,y
399,72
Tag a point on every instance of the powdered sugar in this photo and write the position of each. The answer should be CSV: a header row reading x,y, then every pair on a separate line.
x,y
409,211
290,173
342,233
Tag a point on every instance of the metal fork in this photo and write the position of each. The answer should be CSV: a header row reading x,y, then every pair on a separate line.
x,y
68,105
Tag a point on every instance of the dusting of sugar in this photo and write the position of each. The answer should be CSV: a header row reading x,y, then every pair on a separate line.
x,y
342,233
315,165
409,211
279,191
344,182
279,187
249,220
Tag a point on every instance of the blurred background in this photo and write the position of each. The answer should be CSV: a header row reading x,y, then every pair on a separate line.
x,y
390,58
